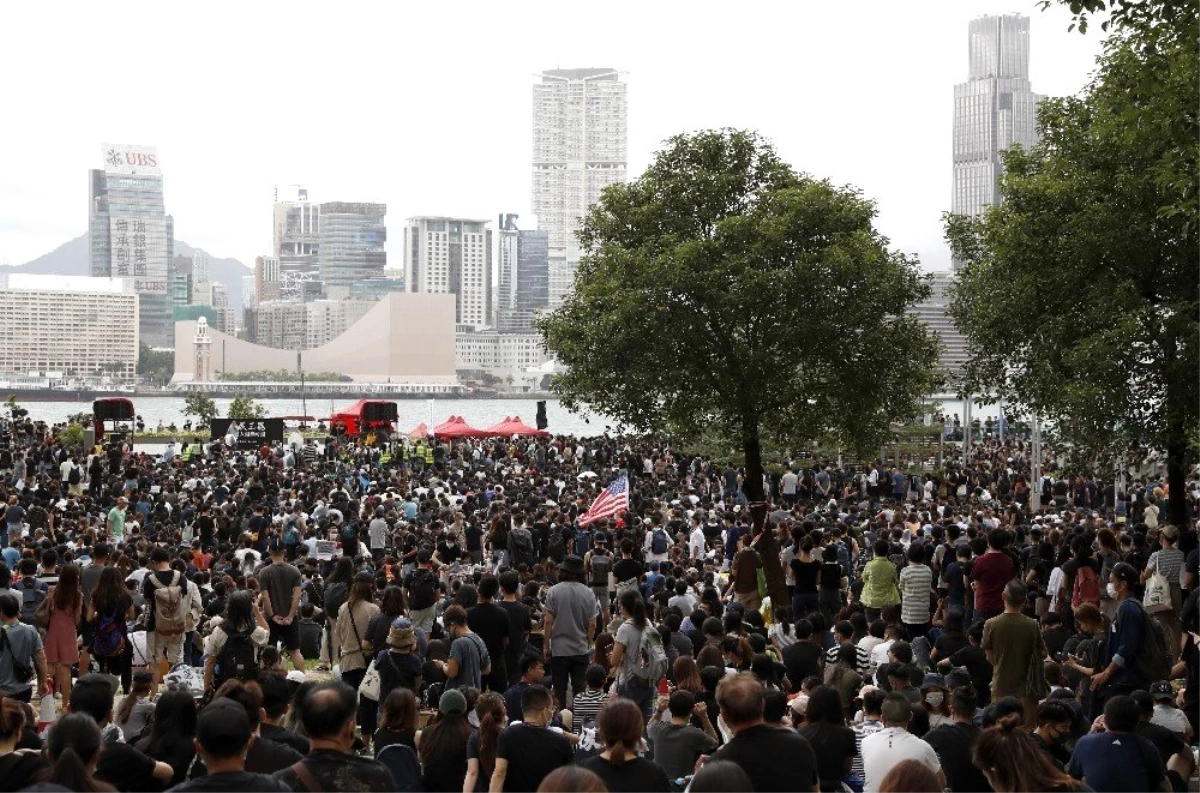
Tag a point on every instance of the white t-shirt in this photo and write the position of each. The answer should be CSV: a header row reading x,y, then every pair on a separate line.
x,y
883,750
697,543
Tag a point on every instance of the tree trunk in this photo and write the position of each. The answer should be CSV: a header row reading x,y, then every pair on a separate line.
x,y
1177,507
763,539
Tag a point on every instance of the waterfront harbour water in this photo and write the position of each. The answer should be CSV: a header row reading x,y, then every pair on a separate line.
x,y
477,412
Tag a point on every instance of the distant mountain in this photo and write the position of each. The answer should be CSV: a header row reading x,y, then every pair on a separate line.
x,y
71,258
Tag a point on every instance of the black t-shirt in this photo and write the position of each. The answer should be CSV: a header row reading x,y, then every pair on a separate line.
x,y
759,751
630,776
490,623
532,753
976,662
831,576
17,769
626,569
801,660
953,744
948,645
833,745
337,771
233,781
1167,743
125,768
279,580
207,528
518,629
805,575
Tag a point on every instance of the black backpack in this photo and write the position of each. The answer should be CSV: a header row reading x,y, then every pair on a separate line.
x,y
74,477
422,593
33,592
658,542
520,546
557,549
238,659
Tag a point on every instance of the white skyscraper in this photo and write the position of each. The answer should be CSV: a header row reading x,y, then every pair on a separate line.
x,y
993,110
452,255
579,148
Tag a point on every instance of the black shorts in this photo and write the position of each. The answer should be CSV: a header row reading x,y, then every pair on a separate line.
x,y
87,632
288,634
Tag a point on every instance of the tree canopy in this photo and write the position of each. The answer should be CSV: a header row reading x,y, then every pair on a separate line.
x,y
724,290
242,407
1079,296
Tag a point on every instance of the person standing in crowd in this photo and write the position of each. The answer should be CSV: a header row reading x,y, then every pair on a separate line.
x,y
1118,673
570,623
351,629
280,582
990,573
22,658
1016,648
469,661
62,636
166,595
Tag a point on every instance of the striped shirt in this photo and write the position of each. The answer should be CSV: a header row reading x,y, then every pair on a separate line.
x,y
587,706
862,659
1169,562
862,731
916,582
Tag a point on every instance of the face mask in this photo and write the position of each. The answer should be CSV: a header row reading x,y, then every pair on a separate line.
x,y
934,699
1112,590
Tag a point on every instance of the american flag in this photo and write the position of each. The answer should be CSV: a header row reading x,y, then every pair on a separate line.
x,y
612,502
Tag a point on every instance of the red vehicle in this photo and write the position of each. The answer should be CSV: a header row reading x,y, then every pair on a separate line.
x,y
365,415
112,414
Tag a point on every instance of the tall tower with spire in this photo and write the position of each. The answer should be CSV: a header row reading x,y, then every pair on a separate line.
x,y
201,343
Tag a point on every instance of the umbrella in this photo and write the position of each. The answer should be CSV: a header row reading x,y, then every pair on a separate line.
x,y
588,475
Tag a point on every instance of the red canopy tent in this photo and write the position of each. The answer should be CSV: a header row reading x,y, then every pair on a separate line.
x,y
419,432
498,427
514,426
456,427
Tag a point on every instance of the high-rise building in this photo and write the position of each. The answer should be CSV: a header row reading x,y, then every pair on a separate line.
x,y
201,279
933,312
351,241
267,278
296,231
452,255
579,148
131,235
523,276
77,326
993,110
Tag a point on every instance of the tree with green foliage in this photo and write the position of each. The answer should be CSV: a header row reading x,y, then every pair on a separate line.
x,y
201,406
724,291
246,408
1079,299
157,366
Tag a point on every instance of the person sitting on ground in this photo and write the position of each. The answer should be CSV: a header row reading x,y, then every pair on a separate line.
x,y
619,766
223,737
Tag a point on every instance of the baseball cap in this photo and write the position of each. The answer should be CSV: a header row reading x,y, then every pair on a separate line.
x,y
1161,691
223,728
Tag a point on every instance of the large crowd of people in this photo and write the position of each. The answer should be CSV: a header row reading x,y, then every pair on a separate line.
x,y
378,614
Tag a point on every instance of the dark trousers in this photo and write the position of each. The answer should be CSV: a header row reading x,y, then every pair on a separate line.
x,y
119,665
564,667
803,604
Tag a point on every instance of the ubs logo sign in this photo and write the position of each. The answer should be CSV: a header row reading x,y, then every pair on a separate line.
x,y
114,158
140,160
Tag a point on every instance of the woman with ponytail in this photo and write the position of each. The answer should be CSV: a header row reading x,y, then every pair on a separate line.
x,y
73,747
1012,760
481,746
18,767
627,649
620,727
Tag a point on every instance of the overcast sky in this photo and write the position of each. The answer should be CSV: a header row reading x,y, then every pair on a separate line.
x,y
427,106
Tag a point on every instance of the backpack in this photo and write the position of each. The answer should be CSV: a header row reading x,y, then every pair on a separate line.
x,y
601,567
422,592
170,616
1154,659
74,477
33,592
109,639
348,533
651,663
238,659
520,546
1087,588
658,542
291,535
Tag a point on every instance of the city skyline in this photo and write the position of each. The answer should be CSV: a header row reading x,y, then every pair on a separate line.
x,y
871,108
